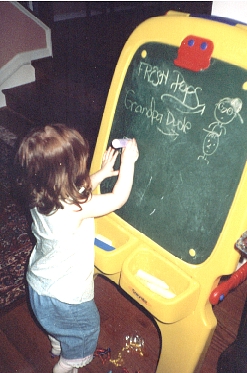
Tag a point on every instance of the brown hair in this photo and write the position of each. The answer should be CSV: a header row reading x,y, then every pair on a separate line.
x,y
53,162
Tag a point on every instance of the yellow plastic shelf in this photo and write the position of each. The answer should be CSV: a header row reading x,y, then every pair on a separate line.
x,y
186,289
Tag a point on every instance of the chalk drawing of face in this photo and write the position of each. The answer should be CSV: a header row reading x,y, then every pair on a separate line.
x,y
227,109
210,145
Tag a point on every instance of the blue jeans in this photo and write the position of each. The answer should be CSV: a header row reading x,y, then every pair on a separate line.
x,y
75,326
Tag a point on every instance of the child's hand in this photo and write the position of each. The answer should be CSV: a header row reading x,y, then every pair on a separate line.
x,y
109,159
130,153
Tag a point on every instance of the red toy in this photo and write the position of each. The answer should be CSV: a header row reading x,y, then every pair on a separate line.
x,y
194,53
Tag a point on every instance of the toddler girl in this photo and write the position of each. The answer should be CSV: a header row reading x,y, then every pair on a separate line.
x,y
53,163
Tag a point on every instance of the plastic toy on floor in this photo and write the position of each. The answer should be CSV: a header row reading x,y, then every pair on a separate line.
x,y
133,344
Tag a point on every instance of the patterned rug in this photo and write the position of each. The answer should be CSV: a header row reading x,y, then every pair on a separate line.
x,y
15,243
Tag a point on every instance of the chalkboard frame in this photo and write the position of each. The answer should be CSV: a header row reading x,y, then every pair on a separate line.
x,y
147,33
189,236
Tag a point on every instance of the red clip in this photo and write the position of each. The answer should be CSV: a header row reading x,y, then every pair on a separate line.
x,y
194,53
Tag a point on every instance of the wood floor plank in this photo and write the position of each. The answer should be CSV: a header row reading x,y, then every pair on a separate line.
x,y
11,360
26,339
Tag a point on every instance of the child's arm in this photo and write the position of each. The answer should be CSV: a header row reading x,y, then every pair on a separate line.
x,y
102,204
107,170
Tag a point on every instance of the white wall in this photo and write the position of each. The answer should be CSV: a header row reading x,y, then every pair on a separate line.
x,y
236,10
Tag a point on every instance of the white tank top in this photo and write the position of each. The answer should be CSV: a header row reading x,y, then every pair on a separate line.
x,y
62,262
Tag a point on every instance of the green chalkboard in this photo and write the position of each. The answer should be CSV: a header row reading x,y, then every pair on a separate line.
x,y
191,129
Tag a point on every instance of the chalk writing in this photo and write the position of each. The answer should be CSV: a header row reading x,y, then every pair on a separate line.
x,y
153,74
174,125
185,95
178,97
150,112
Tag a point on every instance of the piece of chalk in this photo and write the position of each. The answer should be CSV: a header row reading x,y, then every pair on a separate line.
x,y
119,143
152,279
168,294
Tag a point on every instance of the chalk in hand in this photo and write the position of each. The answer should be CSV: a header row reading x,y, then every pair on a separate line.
x,y
119,143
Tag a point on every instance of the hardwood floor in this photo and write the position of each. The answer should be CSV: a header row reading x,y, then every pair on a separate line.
x,y
24,347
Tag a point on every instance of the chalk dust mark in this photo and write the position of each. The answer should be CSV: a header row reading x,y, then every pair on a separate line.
x,y
143,194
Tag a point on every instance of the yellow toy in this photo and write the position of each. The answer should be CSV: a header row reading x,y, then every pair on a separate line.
x,y
179,88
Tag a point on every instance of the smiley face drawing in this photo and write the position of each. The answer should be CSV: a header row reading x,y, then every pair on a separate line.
x,y
225,111
210,145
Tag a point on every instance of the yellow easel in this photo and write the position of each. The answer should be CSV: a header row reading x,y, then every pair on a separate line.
x,y
186,321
